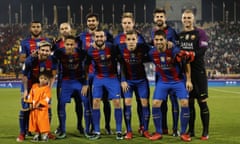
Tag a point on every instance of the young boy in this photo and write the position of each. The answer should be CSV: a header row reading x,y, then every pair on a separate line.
x,y
38,100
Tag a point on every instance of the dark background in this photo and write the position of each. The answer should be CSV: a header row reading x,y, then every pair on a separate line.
x,y
75,9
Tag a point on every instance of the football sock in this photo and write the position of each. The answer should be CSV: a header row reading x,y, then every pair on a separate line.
x,y
96,119
175,111
157,119
146,115
164,109
204,117
184,119
192,117
107,112
128,115
62,115
118,118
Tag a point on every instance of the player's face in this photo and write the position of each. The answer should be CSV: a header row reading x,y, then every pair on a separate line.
x,y
69,44
65,29
43,80
160,42
99,38
92,23
188,20
36,29
44,52
159,19
127,24
131,41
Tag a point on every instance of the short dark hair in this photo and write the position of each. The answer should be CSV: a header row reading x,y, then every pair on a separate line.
x,y
131,32
46,73
71,37
160,32
159,10
89,15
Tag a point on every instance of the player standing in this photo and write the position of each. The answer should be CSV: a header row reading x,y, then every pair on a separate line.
x,y
195,40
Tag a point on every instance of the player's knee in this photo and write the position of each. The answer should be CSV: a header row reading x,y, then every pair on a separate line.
x,y
184,102
144,102
204,107
203,97
116,103
156,103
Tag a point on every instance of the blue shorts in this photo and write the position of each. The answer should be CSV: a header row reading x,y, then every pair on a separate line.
x,y
68,88
141,86
112,85
162,89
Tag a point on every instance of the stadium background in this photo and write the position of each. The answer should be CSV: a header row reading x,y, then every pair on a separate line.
x,y
220,18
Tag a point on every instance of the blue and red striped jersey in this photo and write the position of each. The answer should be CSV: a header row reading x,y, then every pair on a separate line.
x,y
105,60
121,38
133,61
167,70
28,45
33,66
169,31
72,65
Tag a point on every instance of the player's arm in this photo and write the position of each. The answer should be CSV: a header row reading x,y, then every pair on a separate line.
x,y
22,52
86,71
54,71
26,69
203,44
189,85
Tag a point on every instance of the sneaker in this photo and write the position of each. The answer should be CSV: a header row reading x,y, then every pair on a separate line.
x,y
146,134
87,135
128,136
36,138
62,135
141,130
21,137
57,131
185,137
204,137
175,133
45,137
119,136
165,131
156,136
51,136
108,131
28,133
95,136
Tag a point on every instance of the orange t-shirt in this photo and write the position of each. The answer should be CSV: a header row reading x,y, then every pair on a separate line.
x,y
38,118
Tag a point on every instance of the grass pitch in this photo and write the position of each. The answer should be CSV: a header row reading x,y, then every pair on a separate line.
x,y
224,105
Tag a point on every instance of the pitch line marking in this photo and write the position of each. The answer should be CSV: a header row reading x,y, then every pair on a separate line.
x,y
224,91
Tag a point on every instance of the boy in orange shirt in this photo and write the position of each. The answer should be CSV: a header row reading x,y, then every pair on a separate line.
x,y
38,99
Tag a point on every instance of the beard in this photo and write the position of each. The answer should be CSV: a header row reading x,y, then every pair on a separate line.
x,y
35,34
92,27
99,43
160,23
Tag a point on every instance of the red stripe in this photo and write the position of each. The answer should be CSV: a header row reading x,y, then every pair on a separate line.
x,y
110,68
169,62
88,40
126,55
158,68
122,38
96,57
61,44
33,45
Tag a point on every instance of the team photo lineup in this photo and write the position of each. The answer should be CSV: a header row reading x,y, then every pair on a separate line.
x,y
95,67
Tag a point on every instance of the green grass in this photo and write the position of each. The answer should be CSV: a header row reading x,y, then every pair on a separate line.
x,y
224,104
